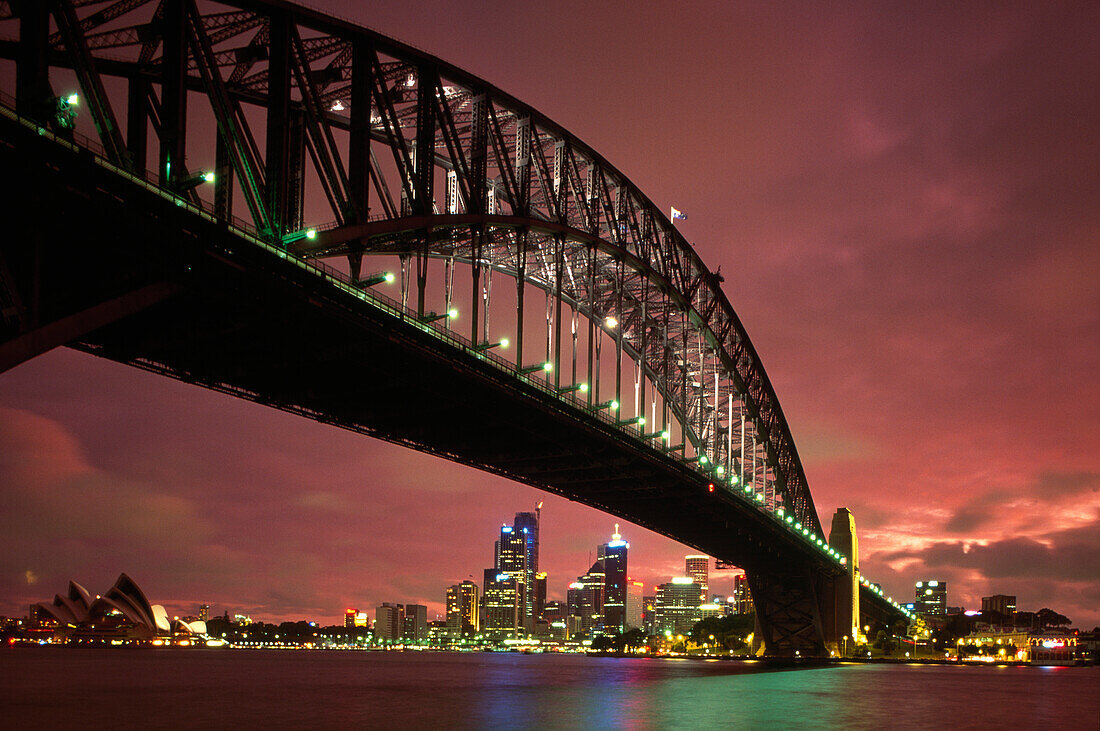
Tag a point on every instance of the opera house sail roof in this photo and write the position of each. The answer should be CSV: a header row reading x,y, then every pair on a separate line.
x,y
123,612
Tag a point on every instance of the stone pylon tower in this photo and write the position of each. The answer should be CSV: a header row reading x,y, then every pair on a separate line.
x,y
842,537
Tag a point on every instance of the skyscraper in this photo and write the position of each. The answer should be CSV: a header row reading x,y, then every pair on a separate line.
x,y
503,606
613,557
415,623
389,621
931,597
511,560
677,606
635,604
527,524
1002,604
540,593
586,599
463,616
742,597
204,612
698,568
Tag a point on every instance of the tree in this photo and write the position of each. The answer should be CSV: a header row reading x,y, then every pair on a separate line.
x,y
633,638
605,643
728,632
1051,618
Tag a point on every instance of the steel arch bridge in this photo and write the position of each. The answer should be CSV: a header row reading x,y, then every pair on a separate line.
x,y
441,184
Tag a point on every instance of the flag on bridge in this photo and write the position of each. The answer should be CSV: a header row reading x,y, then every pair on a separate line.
x,y
679,215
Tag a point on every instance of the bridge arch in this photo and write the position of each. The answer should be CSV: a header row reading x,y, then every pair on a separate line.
x,y
312,118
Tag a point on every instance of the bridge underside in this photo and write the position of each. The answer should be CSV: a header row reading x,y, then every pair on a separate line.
x,y
95,261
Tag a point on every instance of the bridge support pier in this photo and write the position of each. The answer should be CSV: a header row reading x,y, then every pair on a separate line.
x,y
799,612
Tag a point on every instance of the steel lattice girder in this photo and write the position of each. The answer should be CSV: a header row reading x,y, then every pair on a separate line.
x,y
507,159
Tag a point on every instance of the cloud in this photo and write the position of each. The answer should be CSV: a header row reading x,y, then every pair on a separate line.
x,y
1071,555
1043,496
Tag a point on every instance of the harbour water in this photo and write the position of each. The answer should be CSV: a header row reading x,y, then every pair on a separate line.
x,y
173,688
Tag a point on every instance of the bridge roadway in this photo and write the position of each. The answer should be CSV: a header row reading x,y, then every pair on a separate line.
x,y
126,271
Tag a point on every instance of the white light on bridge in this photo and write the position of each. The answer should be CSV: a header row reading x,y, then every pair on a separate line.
x,y
611,322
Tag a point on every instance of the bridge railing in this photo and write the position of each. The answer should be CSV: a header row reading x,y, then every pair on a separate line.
x,y
340,280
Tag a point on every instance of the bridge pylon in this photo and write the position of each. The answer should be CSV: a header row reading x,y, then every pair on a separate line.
x,y
800,612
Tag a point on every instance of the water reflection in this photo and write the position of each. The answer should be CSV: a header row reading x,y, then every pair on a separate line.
x,y
220,688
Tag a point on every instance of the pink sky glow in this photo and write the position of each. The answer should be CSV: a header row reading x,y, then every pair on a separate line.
x,y
904,205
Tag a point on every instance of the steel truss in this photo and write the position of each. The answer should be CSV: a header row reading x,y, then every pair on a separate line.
x,y
417,158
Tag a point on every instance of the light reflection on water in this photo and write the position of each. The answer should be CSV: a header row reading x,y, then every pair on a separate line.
x,y
223,688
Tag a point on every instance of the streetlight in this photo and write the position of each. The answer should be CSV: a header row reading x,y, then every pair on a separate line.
x,y
379,278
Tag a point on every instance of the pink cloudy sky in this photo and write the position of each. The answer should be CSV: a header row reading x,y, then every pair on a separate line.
x,y
905,208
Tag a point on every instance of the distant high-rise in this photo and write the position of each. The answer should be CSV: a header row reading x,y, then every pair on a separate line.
x,y
502,606
349,618
1002,604
463,605
527,524
649,615
586,599
635,604
389,621
415,627
511,560
613,557
540,593
698,568
931,597
742,596
204,612
677,606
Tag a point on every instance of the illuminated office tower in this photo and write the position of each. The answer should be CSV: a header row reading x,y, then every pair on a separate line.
x,y
540,594
677,606
453,605
931,597
635,604
502,606
528,525
349,618
742,596
698,568
586,599
204,612
511,559
463,609
613,557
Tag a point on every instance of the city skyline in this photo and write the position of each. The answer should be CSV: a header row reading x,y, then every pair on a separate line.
x,y
904,213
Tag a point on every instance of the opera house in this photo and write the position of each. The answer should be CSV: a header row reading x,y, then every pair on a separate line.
x,y
121,616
